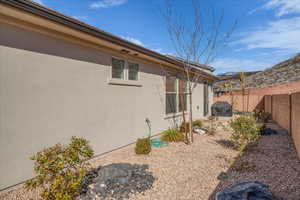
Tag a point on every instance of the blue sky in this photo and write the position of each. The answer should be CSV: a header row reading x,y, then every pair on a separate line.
x,y
268,31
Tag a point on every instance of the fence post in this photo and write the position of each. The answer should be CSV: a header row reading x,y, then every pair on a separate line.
x,y
272,107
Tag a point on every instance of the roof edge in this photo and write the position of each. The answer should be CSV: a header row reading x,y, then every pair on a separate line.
x,y
52,15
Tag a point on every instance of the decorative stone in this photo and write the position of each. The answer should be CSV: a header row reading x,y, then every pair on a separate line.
x,y
118,181
269,131
246,191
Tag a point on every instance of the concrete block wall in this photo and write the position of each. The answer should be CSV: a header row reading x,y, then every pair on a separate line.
x,y
251,102
254,97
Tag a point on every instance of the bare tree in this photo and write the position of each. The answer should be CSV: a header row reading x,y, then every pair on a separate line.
x,y
228,86
197,41
242,79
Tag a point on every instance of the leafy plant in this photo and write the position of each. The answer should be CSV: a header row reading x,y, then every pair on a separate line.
x,y
61,169
197,123
262,116
184,127
212,129
245,131
172,135
143,146
243,166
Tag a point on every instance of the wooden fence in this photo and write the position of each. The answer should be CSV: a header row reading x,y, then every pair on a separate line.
x,y
285,110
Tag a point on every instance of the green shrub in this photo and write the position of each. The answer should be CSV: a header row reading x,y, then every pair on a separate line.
x,y
198,123
60,170
172,135
143,146
212,128
262,116
243,166
245,131
186,125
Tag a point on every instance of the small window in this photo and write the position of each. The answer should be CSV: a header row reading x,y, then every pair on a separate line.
x,y
133,71
118,67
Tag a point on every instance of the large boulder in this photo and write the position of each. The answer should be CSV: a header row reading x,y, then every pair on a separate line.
x,y
246,191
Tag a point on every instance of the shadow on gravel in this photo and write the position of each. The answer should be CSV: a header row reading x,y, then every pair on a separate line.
x,y
273,161
225,143
117,181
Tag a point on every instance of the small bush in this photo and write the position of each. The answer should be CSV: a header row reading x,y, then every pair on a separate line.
x,y
186,125
198,123
143,146
262,116
60,170
245,131
212,128
172,135
243,166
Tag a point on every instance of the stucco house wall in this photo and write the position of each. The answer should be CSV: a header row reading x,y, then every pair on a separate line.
x,y
52,89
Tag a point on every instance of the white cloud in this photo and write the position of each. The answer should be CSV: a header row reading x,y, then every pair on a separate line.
x,y
159,50
107,3
282,35
238,65
80,17
133,40
38,1
283,7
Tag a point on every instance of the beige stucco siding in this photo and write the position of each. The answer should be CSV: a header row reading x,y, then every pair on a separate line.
x,y
51,89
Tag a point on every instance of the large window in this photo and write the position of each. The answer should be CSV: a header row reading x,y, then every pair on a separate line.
x,y
176,95
125,70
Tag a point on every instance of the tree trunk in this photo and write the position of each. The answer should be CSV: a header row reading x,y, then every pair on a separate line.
x,y
184,121
191,114
243,94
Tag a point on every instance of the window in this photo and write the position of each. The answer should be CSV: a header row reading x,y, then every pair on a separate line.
x,y
133,71
176,95
125,70
182,95
206,100
171,95
117,69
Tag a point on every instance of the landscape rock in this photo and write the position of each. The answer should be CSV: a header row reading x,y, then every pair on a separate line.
x,y
269,131
117,181
246,191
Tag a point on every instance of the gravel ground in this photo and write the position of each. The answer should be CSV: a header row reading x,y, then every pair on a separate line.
x,y
193,171
273,161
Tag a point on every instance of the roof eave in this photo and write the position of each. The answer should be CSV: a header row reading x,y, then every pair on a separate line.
x,y
57,17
